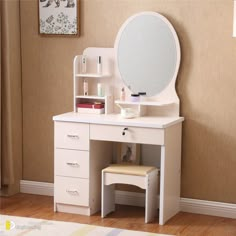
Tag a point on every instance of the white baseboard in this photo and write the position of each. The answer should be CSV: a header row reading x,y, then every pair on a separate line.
x,y
137,199
208,207
39,188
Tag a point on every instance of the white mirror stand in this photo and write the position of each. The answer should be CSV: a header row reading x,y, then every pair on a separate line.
x,y
146,58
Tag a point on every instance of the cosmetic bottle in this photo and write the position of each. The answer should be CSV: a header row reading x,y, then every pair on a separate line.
x,y
122,94
99,90
99,65
85,87
83,63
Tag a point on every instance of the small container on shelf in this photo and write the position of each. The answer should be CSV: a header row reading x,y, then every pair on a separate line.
x,y
100,92
135,97
142,96
99,65
85,87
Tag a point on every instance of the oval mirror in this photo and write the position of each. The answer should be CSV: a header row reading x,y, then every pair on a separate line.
x,y
147,53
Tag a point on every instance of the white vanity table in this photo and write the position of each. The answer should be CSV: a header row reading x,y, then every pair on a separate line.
x,y
83,142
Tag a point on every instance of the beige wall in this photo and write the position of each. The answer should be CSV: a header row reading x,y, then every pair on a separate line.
x,y
206,85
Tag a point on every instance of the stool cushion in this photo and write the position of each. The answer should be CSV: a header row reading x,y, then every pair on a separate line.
x,y
129,169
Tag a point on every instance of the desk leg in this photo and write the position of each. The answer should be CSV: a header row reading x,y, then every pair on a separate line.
x,y
170,174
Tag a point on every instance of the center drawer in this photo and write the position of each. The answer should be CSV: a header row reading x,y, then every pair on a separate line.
x,y
72,163
72,135
127,134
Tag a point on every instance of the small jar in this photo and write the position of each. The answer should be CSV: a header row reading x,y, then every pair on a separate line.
x,y
142,96
135,97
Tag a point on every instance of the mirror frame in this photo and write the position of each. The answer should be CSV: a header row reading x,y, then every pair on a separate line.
x,y
171,84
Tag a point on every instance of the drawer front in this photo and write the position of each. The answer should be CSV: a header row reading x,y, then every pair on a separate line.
x,y
72,163
73,191
71,135
132,134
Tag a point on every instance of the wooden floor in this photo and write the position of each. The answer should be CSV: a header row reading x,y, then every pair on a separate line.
x,y
125,217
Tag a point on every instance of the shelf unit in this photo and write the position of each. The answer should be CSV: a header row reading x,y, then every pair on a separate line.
x,y
93,78
144,103
86,75
141,105
163,104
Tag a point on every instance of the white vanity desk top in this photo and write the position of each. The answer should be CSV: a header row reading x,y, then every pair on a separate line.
x,y
116,119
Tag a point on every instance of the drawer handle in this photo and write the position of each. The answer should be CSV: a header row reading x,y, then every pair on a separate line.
x,y
123,133
74,164
73,136
72,191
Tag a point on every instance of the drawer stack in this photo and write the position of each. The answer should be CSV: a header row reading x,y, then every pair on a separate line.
x,y
77,169
71,188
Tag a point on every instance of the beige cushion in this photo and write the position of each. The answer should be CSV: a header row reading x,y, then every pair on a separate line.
x,y
129,169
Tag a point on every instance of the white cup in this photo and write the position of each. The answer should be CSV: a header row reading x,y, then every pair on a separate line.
x,y
127,113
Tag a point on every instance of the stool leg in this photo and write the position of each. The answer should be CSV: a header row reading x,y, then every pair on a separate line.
x,y
150,200
108,197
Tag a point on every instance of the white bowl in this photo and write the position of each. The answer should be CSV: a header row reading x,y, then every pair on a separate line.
x,y
127,113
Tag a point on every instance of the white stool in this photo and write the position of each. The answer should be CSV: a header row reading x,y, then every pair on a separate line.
x,y
145,177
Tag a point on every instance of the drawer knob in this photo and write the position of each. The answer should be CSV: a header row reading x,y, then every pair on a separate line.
x,y
72,191
73,164
73,136
123,133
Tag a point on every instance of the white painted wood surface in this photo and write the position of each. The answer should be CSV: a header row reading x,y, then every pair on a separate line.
x,y
100,157
78,168
92,77
167,102
147,182
89,132
170,174
72,163
72,135
164,131
73,191
131,134
116,119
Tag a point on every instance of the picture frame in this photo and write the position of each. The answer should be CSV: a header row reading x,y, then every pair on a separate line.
x,y
58,17
128,153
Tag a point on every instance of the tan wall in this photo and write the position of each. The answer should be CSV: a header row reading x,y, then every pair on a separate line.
x,y
206,85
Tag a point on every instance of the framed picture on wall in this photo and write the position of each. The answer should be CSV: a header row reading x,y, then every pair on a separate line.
x,y
58,17
128,153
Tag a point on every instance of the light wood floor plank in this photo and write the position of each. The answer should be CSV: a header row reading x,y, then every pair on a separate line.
x,y
126,217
